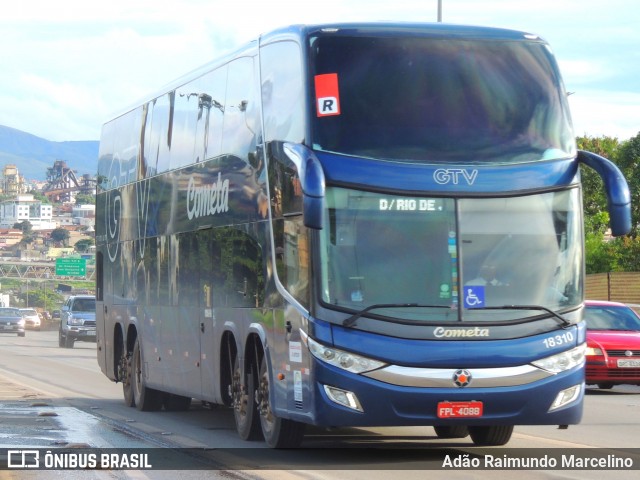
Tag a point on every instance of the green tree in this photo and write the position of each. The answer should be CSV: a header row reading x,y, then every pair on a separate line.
x,y
628,159
60,235
84,199
26,241
27,233
594,200
620,254
83,245
627,255
25,226
39,196
43,298
600,256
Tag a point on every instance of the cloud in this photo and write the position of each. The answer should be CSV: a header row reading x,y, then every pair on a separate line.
x,y
602,112
81,61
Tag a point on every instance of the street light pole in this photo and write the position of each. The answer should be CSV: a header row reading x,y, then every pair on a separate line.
x,y
46,297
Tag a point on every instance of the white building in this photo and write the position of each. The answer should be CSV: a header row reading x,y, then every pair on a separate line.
x,y
84,215
26,207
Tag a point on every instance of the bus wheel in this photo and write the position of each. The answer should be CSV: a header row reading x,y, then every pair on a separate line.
x,y
123,370
145,399
493,435
124,375
244,408
453,431
278,432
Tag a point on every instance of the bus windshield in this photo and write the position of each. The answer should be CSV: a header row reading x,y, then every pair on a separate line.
x,y
425,100
379,249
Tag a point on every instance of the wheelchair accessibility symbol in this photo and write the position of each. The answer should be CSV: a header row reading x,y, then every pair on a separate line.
x,y
474,297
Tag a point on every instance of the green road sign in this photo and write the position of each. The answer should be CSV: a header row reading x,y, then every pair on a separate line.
x,y
71,267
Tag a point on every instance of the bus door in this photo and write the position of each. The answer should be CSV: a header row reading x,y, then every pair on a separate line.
x,y
205,256
297,362
100,317
185,326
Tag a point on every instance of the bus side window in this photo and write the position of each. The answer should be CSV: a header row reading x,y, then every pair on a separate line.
x,y
210,118
283,110
282,92
284,181
241,111
192,257
293,257
238,278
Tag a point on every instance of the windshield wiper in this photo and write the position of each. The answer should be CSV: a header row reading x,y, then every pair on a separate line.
x,y
563,321
350,321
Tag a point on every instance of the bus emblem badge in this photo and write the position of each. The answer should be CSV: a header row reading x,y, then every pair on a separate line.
x,y
462,378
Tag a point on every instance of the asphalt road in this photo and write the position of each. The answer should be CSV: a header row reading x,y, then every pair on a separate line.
x,y
52,397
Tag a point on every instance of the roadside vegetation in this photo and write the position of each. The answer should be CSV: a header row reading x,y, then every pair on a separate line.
x,y
605,254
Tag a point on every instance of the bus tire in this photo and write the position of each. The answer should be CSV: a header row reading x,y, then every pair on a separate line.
x,y
452,431
244,405
145,399
123,370
494,435
277,432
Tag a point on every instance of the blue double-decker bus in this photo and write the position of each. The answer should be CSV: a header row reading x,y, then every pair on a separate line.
x,y
352,225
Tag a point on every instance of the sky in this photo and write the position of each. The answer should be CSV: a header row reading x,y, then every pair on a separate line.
x,y
66,66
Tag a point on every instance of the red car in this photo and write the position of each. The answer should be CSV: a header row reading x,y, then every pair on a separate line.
x,y
613,344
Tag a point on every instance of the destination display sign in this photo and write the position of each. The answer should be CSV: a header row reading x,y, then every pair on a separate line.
x,y
397,204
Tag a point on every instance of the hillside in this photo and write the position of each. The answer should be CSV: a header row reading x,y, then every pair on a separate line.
x,y
33,155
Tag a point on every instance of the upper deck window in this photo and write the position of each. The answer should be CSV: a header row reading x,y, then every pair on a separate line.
x,y
430,100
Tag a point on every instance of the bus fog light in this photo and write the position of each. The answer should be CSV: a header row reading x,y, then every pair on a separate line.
x,y
566,396
343,397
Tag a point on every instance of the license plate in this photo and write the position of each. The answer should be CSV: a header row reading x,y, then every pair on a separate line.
x,y
623,363
459,409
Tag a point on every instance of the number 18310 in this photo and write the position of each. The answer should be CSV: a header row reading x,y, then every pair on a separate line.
x,y
557,340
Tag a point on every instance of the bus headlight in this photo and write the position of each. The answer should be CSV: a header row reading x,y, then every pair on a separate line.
x,y
562,361
339,358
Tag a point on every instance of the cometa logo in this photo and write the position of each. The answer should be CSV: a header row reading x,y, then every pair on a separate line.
x,y
208,199
461,378
441,332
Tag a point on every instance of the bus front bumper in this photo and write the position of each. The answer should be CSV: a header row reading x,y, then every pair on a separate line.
x,y
343,399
